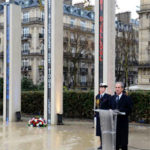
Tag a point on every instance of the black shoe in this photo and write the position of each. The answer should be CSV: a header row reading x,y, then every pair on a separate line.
x,y
99,147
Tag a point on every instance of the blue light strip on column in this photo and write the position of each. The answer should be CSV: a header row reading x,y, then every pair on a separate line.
x,y
7,58
49,12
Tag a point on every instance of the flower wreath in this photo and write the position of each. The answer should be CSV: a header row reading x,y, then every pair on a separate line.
x,y
37,122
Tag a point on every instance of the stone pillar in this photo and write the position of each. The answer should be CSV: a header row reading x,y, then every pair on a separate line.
x,y
12,61
53,78
105,44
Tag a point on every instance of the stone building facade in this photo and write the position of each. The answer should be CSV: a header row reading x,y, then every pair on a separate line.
x,y
78,44
144,43
127,49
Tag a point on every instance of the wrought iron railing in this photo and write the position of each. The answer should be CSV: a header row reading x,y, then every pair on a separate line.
x,y
84,29
32,20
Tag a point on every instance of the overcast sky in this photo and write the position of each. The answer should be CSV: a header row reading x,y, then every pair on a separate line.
x,y
123,5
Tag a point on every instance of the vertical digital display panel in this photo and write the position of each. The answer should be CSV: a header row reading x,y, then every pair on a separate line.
x,y
7,58
101,25
49,7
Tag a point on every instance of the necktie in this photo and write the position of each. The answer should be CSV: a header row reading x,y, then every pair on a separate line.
x,y
117,99
100,96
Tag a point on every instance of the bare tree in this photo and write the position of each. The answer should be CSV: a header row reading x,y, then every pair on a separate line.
x,y
126,54
76,49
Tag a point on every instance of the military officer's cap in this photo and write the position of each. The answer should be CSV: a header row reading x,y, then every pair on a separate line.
x,y
103,85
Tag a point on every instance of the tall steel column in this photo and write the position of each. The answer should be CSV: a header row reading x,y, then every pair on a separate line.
x,y
53,42
105,44
101,25
48,47
12,66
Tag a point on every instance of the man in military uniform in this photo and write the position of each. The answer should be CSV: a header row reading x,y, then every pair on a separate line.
x,y
102,102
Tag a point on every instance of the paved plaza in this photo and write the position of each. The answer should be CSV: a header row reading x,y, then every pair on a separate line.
x,y
73,135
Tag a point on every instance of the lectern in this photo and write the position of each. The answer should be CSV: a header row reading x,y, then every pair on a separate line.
x,y
108,121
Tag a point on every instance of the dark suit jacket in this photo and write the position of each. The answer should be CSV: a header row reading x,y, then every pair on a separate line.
x,y
124,105
102,103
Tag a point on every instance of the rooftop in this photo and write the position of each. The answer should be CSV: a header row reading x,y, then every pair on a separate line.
x,y
68,9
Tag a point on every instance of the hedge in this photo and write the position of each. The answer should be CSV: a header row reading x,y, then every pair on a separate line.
x,y
76,105
141,109
32,102
1,106
80,104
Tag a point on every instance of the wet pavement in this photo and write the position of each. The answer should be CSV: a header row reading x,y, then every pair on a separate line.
x,y
74,135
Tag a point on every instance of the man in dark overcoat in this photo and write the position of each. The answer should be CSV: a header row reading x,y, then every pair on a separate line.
x,y
102,102
123,103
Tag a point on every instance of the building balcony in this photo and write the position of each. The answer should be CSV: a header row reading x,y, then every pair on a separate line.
x,y
41,35
79,28
25,52
145,7
83,84
26,36
26,68
144,64
1,25
75,42
83,43
84,71
86,84
85,57
36,54
33,20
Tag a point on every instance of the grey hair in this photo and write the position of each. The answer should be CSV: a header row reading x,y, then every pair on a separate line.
x,y
121,83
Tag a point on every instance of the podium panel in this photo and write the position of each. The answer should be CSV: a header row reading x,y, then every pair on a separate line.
x,y
108,123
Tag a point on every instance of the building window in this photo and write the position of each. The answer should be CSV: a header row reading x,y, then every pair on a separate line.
x,y
73,50
42,48
43,2
25,62
42,62
83,79
72,21
92,27
82,24
92,15
25,49
26,46
42,15
25,30
26,17
82,65
72,36
82,12
42,30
